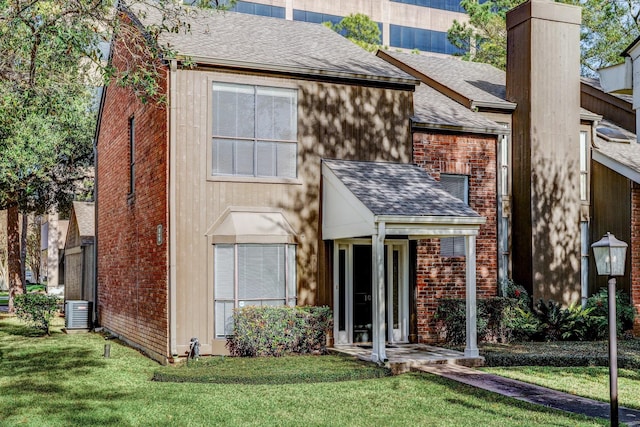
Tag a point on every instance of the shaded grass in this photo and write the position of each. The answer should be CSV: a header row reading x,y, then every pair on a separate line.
x,y
63,380
275,370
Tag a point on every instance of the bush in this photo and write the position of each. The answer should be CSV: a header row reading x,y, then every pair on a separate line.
x,y
625,313
276,331
36,309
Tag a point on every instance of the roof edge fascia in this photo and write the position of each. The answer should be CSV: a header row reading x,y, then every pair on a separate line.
x,y
499,105
443,89
616,166
245,65
432,219
416,124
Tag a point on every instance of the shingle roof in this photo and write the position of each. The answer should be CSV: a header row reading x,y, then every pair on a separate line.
x,y
257,42
84,212
437,110
479,83
397,189
626,154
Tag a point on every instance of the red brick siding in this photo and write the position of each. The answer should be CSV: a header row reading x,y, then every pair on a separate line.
x,y
132,267
634,247
438,277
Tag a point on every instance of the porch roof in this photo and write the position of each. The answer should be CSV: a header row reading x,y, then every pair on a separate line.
x,y
358,195
617,149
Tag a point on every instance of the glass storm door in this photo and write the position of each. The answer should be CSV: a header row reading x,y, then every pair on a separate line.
x,y
353,293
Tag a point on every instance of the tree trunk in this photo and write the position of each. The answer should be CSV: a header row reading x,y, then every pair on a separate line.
x,y
23,251
13,255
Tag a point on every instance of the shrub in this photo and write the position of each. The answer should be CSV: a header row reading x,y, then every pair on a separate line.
x,y
625,313
276,331
36,309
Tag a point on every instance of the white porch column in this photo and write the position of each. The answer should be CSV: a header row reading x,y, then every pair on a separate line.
x,y
471,348
378,352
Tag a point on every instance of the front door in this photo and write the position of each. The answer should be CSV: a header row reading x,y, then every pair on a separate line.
x,y
353,292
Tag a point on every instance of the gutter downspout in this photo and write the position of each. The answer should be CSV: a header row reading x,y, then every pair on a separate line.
x,y
378,352
173,66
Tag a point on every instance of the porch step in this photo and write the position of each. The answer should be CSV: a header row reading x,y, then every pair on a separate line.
x,y
403,358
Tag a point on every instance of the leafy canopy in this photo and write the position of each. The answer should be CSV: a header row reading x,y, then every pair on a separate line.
x,y
360,29
608,27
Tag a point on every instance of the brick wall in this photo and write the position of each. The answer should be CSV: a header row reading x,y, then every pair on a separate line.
x,y
132,266
439,277
634,249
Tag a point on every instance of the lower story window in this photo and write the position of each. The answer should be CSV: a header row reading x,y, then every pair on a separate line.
x,y
251,274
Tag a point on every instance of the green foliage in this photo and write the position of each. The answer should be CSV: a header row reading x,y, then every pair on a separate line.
x,y
277,371
276,331
484,37
507,319
360,29
608,27
36,309
599,304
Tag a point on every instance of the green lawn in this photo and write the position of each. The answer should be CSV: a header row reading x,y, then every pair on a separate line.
x,y
63,380
591,382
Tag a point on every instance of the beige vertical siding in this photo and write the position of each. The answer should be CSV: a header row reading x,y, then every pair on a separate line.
x,y
334,121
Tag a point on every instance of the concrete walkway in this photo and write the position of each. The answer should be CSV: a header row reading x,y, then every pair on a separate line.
x,y
530,393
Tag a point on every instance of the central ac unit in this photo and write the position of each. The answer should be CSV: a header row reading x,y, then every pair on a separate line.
x,y
77,315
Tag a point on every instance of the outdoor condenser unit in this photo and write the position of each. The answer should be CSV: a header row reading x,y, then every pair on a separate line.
x,y
77,315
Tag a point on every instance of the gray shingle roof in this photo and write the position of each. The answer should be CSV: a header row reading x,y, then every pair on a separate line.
x,y
479,83
257,42
626,154
437,110
397,189
84,212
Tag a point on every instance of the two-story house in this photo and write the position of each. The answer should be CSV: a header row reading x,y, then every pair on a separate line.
x,y
279,171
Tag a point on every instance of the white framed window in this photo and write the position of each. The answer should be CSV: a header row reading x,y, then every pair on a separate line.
x,y
251,274
584,166
584,261
457,186
254,131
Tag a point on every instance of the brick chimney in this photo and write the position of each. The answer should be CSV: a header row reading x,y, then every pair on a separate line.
x,y
543,78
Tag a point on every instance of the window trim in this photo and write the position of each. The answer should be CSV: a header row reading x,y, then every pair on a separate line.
x,y
255,83
454,254
290,265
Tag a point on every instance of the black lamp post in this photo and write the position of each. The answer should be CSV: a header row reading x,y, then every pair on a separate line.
x,y
610,254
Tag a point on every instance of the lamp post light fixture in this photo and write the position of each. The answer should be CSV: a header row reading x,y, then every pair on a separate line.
x,y
610,254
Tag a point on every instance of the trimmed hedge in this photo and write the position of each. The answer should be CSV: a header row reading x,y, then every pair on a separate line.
x,y
276,331
561,354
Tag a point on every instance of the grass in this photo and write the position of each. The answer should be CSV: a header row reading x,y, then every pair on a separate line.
x,y
63,380
591,382
585,371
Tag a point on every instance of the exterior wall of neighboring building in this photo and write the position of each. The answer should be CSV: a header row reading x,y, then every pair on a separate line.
x,y
79,264
333,121
546,162
53,234
131,227
404,24
440,277
634,256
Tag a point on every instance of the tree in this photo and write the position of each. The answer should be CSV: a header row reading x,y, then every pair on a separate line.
x,y
51,58
360,29
608,27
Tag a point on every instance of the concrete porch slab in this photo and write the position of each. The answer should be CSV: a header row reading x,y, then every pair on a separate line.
x,y
405,357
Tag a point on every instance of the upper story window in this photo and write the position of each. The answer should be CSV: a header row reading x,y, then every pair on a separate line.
x,y
254,131
584,166
457,186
